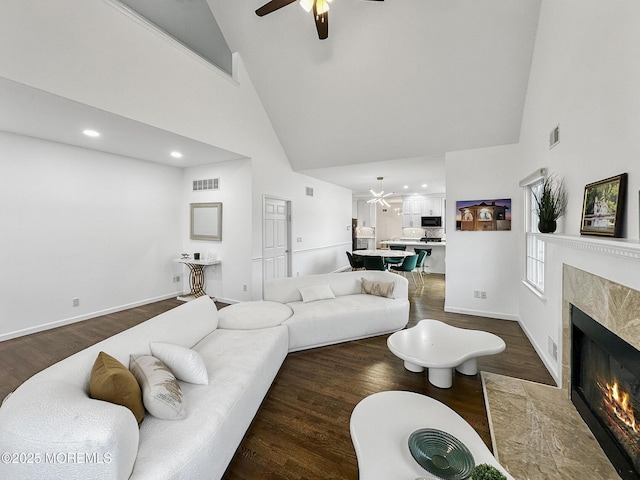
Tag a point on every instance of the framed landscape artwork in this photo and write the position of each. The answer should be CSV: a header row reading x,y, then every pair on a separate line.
x,y
603,207
483,215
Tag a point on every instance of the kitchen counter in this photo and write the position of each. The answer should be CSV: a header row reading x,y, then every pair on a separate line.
x,y
434,263
412,243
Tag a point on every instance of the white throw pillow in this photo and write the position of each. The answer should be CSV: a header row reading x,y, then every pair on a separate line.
x,y
186,364
312,293
161,392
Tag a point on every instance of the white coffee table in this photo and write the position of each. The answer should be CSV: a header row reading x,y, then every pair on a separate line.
x,y
441,348
380,428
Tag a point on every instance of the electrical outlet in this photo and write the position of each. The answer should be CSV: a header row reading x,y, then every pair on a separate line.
x,y
244,287
76,302
299,239
176,279
476,294
483,295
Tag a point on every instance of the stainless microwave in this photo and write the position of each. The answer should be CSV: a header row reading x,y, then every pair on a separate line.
x,y
431,221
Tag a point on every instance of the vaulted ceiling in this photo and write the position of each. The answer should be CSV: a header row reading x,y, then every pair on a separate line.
x,y
397,84
395,80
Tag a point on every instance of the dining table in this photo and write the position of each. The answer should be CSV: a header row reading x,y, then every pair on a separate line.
x,y
384,252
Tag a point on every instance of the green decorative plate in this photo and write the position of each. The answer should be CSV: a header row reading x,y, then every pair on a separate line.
x,y
441,454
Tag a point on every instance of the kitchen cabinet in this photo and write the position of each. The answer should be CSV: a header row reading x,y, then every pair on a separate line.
x,y
366,214
417,206
411,211
432,207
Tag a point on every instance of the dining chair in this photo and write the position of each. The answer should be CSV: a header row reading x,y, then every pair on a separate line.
x,y
395,260
407,265
428,250
422,254
356,262
373,263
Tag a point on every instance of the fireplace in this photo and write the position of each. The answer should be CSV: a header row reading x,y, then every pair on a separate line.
x,y
605,388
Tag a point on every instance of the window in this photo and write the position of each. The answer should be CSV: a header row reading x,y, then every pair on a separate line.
x,y
534,265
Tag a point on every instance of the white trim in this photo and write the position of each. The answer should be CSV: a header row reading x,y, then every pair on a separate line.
x,y
534,177
619,247
86,316
335,245
551,368
140,20
480,313
534,290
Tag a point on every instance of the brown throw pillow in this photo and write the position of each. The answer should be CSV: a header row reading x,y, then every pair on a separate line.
x,y
112,382
381,289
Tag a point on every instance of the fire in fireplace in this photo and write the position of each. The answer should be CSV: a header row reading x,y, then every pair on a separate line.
x,y
618,406
606,390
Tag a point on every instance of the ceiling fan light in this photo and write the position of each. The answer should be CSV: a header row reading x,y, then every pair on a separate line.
x,y
307,4
322,6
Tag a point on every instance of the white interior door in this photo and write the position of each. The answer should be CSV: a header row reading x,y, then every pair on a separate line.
x,y
275,250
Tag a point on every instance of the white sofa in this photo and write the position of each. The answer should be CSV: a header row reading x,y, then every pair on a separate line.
x,y
51,429
351,315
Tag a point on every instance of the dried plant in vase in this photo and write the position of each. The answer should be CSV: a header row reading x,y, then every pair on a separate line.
x,y
550,203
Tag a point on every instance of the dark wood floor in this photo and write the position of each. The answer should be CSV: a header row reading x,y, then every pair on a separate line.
x,y
301,431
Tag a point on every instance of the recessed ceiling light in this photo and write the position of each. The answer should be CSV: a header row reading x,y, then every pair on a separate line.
x,y
91,133
424,185
406,186
176,154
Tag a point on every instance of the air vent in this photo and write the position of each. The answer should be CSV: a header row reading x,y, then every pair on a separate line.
x,y
554,137
207,184
309,191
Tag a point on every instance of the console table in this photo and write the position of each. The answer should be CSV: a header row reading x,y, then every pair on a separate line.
x,y
196,276
382,423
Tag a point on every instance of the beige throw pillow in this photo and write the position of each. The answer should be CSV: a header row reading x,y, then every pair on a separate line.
x,y
161,392
111,381
381,289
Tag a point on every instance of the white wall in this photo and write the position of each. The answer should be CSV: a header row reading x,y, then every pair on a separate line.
x,y
93,53
226,281
484,261
78,223
388,222
584,76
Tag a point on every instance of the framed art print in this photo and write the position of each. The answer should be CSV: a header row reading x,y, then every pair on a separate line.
x,y
603,207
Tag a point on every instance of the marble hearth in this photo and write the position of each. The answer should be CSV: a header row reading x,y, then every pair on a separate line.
x,y
536,430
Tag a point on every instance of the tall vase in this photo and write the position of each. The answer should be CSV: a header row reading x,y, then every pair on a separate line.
x,y
547,226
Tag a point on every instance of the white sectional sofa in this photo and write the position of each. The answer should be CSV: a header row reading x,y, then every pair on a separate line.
x,y
351,315
50,428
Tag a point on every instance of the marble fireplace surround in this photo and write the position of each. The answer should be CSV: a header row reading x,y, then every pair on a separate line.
x,y
534,441
612,305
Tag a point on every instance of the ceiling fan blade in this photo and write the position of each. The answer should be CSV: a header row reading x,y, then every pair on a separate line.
x,y
272,6
322,23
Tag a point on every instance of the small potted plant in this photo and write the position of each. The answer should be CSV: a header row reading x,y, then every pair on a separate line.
x,y
485,471
550,203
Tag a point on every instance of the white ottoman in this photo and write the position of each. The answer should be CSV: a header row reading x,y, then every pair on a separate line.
x,y
441,348
253,315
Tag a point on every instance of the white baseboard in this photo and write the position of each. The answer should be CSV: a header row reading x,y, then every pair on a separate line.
x,y
80,318
516,318
481,313
543,356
